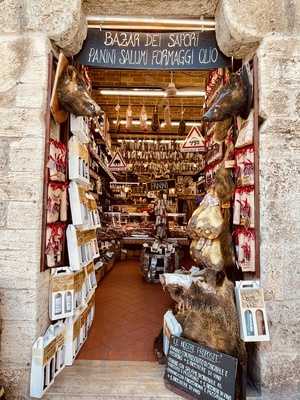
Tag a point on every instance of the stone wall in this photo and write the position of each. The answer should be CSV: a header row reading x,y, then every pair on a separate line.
x,y
279,66
270,30
23,289
152,8
25,29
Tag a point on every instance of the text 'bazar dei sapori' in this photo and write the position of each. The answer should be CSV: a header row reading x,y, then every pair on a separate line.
x,y
134,48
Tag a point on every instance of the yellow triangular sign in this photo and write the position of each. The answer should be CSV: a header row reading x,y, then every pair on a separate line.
x,y
194,142
117,163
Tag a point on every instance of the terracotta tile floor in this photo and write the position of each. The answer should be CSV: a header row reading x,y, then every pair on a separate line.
x,y
128,317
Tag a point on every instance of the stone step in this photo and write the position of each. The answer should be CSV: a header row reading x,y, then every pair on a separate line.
x,y
113,380
95,380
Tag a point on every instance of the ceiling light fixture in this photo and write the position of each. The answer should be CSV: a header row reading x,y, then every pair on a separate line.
x,y
151,92
136,122
121,22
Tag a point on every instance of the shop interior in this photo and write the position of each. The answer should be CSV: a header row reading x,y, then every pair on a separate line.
x,y
125,327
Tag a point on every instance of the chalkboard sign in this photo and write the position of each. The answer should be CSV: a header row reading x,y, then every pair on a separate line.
x,y
161,185
200,372
151,50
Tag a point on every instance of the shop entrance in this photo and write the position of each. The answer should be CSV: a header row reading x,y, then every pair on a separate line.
x,y
149,159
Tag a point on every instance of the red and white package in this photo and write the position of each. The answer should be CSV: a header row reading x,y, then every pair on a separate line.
x,y
245,166
245,248
243,208
57,202
57,161
55,235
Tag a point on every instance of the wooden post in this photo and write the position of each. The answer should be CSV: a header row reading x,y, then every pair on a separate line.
x,y
256,167
46,155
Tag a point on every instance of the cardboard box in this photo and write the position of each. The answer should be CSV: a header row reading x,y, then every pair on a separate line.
x,y
252,311
48,359
62,293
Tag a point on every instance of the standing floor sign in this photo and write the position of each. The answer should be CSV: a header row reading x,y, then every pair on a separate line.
x,y
151,50
199,372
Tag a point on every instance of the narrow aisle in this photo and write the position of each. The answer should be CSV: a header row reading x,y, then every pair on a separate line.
x,y
128,316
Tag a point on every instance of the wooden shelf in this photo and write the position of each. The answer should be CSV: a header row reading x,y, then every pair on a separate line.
x,y
105,169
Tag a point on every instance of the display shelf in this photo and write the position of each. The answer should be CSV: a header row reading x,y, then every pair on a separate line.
x,y
97,158
94,174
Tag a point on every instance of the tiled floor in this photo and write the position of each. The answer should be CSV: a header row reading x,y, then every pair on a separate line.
x,y
128,317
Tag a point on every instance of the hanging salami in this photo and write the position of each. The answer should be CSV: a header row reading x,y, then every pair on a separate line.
x,y
129,117
143,118
155,120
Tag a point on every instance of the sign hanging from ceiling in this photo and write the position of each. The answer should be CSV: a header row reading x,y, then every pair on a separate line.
x,y
151,50
194,142
117,163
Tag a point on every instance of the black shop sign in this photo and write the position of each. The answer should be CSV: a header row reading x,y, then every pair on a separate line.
x,y
200,372
161,185
151,50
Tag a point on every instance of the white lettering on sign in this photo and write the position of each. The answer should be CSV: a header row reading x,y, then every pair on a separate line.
x,y
208,55
102,56
172,58
133,57
185,39
153,40
122,39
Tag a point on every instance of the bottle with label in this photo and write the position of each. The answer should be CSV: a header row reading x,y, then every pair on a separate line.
x,y
58,304
249,323
68,302
260,322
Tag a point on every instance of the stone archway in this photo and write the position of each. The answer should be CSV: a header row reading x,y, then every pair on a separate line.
x,y
242,28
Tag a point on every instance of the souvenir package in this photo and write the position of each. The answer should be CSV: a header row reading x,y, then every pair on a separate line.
x,y
91,282
57,202
245,166
57,161
91,310
78,161
72,337
79,127
82,247
171,327
55,234
246,128
83,325
83,207
48,359
243,209
80,289
252,311
62,293
245,248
